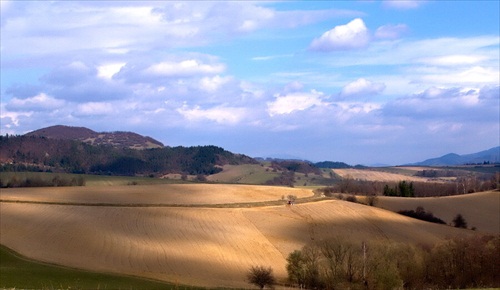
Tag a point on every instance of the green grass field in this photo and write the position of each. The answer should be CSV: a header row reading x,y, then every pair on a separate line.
x,y
17,272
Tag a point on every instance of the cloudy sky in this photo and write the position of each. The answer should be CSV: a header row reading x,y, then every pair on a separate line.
x,y
362,82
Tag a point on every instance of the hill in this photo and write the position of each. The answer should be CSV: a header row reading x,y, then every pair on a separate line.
x,y
35,153
203,243
487,156
116,139
481,210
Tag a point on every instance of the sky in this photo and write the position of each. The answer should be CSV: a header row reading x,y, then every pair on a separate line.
x,y
362,82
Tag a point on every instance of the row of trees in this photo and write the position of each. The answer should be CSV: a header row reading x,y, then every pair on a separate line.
x,y
341,264
461,185
36,181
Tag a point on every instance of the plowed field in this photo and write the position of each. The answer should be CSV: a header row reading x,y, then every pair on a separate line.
x,y
189,245
374,175
480,210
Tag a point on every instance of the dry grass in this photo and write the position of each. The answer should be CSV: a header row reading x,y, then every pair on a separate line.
x,y
196,246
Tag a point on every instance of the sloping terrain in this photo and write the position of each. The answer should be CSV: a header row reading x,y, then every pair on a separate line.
x,y
480,210
118,139
376,175
491,156
204,246
162,194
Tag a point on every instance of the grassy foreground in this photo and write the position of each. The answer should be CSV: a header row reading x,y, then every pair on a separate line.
x,y
17,272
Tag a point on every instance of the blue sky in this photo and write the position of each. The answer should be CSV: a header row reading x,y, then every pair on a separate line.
x,y
362,82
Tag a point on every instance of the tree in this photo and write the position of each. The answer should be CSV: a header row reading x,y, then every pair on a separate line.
x,y
261,276
459,222
296,268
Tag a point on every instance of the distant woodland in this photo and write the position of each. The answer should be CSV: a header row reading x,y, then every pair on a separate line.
x,y
34,153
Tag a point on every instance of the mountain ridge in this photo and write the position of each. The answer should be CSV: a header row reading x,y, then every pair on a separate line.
x,y
491,155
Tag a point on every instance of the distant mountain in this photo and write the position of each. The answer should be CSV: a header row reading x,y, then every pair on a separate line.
x,y
115,139
489,156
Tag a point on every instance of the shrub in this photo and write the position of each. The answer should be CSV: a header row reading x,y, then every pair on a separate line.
x,y
261,276
351,198
421,214
459,222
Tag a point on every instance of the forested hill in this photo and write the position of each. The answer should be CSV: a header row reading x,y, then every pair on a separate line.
x,y
116,139
66,155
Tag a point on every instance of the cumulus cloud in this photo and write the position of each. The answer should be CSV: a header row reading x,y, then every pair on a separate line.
x,y
95,108
457,104
40,102
391,31
220,114
212,84
183,68
353,35
108,70
139,25
292,102
362,87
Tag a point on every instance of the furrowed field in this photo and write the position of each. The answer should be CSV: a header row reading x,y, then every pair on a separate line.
x,y
194,234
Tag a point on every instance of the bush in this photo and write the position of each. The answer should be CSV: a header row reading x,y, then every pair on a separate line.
x,y
351,198
421,214
459,222
261,276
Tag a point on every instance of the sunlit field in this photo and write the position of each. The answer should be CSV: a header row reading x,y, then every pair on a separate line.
x,y
182,234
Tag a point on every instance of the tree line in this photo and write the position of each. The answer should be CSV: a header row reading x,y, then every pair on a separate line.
x,y
462,262
461,185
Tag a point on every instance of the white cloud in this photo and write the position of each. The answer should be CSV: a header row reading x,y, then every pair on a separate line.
x,y
212,84
403,4
95,108
10,119
353,35
38,102
458,77
362,87
107,71
219,114
390,31
184,68
289,103
455,104
453,60
348,110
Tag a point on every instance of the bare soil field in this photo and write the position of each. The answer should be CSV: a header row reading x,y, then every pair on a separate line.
x,y
377,175
480,210
162,194
190,245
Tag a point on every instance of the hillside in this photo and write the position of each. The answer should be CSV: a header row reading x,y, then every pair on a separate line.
x,y
195,244
21,153
481,210
487,156
115,139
